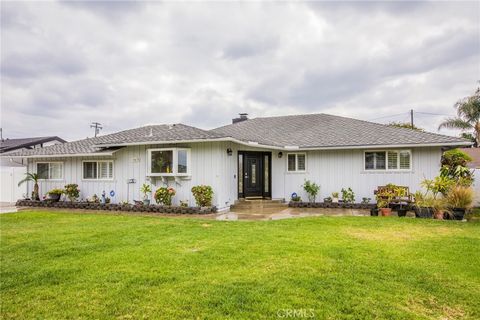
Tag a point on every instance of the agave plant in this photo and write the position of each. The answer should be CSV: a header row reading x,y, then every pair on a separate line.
x,y
34,178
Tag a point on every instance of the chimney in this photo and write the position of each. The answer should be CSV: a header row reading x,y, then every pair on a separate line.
x,y
243,117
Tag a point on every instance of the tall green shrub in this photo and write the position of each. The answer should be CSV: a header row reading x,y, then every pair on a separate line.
x,y
203,195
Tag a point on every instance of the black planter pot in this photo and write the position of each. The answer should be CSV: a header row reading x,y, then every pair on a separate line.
x,y
402,212
424,213
374,212
54,197
458,213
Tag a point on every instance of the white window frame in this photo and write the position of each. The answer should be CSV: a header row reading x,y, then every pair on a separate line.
x,y
296,162
48,162
98,170
386,160
174,172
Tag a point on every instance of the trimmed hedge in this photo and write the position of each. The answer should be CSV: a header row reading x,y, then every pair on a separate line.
x,y
116,207
301,204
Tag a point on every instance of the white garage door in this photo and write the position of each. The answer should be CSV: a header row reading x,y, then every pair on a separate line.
x,y
10,176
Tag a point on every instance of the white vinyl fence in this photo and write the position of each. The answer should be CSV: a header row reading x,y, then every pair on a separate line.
x,y
9,189
476,187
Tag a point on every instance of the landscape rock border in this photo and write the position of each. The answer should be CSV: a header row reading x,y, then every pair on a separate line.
x,y
116,207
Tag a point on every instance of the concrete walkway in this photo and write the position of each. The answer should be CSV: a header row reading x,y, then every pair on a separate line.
x,y
6,207
289,213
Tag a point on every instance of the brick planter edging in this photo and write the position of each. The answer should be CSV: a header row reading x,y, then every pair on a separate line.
x,y
301,204
116,207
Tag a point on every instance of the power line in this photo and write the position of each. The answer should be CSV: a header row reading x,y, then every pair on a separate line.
x,y
390,116
435,114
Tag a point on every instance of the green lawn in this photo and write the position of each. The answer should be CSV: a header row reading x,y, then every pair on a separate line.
x,y
65,265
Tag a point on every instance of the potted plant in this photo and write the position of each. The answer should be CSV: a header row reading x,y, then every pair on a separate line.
x,y
439,208
384,198
72,191
203,195
34,178
383,207
459,199
400,193
312,189
348,196
327,200
55,194
145,189
335,197
424,205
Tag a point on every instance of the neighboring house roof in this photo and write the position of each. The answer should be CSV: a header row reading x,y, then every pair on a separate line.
x,y
288,132
475,154
7,145
108,144
328,131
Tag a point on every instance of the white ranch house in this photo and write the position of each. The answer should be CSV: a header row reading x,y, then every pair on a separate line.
x,y
260,158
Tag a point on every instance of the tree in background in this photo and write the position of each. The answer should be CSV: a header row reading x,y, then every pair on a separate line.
x,y
468,117
454,167
405,125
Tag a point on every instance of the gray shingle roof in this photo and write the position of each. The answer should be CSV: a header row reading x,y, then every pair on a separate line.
x,y
155,133
323,130
304,131
152,133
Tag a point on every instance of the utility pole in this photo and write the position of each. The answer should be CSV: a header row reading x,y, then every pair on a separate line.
x,y
97,127
411,118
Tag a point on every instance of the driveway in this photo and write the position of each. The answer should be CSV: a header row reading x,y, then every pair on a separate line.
x,y
6,207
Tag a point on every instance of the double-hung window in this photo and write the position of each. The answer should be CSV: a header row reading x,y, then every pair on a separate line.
x,y
393,160
50,170
168,162
98,170
296,162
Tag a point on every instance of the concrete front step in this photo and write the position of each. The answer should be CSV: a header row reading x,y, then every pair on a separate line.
x,y
258,205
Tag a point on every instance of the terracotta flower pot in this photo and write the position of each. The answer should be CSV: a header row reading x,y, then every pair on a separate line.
x,y
386,212
438,214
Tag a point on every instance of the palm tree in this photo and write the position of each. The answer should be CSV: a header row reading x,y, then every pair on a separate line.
x,y
32,177
468,116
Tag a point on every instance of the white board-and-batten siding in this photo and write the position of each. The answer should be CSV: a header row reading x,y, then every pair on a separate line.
x,y
211,165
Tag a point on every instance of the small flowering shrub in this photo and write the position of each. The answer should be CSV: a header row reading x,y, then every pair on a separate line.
x,y
203,195
72,191
164,195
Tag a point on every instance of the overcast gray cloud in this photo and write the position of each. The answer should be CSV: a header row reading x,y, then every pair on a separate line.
x,y
124,64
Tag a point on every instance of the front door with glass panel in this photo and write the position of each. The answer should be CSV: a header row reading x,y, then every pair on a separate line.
x,y
254,174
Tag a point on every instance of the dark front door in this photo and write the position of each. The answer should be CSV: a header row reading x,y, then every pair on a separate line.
x,y
253,178
254,174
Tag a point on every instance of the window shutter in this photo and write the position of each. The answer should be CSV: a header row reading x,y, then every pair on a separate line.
x,y
392,160
103,169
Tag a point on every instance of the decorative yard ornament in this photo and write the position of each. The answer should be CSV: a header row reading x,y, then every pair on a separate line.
x,y
104,200
112,193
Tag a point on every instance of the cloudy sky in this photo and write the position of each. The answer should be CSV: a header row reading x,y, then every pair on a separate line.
x,y
124,64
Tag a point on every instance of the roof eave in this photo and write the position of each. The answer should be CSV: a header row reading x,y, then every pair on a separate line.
x,y
66,155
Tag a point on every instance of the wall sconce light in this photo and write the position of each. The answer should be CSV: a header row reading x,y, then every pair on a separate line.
x,y
280,154
229,151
